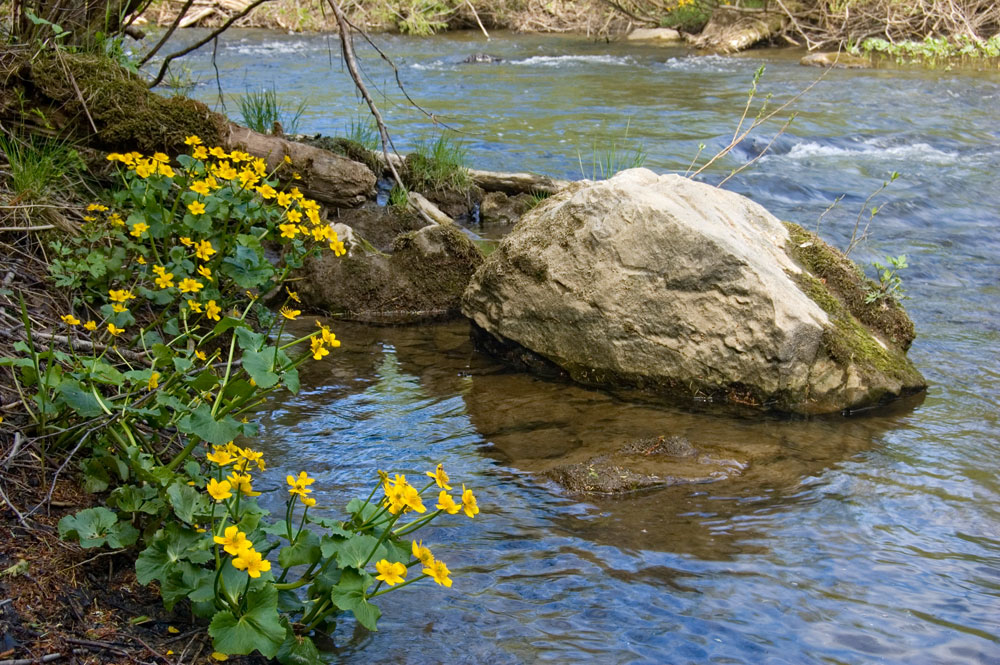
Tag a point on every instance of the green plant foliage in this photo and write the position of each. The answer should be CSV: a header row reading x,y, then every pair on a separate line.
x,y
438,165
363,130
890,284
398,197
608,159
169,350
688,15
931,50
40,168
261,109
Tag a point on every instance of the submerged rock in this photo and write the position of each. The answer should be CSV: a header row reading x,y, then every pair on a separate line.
x,y
691,292
644,464
499,208
481,58
835,60
417,274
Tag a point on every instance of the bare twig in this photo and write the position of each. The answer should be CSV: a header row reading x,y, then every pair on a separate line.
x,y
166,35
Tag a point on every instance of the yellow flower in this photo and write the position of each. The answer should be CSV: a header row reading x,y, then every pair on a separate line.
x,y
217,152
284,200
138,229
287,159
288,230
115,330
159,270
165,280
172,630
337,248
140,260
241,482
411,497
294,216
440,477
439,571
469,504
318,350
115,219
145,169
205,272
200,355
204,250
69,319
259,165
219,490
239,156
121,295
234,541
224,170
293,295
200,187
308,501
192,140
160,157
196,207
389,572
212,310
88,218
220,456
248,178
97,207
154,381
118,309
300,484
253,456
328,336
296,194
447,504
194,306
266,191
187,242
218,655
189,285
200,152
251,561
421,553
289,313
165,170
90,325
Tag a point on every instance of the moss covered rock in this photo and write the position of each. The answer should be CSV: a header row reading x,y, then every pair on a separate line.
x,y
692,293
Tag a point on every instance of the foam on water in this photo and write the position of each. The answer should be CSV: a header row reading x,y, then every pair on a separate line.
x,y
919,151
560,60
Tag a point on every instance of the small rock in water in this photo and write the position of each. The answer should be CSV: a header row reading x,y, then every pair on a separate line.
x,y
478,58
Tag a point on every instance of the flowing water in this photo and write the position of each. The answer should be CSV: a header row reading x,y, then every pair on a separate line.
x,y
869,539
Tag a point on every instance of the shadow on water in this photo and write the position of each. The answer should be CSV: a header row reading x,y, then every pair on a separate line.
x,y
535,425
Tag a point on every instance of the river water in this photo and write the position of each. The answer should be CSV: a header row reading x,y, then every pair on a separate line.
x,y
868,539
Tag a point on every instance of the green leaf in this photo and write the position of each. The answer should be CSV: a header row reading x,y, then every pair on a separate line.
x,y
298,650
132,499
174,543
187,502
305,550
202,424
349,594
249,340
290,377
356,551
227,323
259,629
258,365
89,526
247,268
81,400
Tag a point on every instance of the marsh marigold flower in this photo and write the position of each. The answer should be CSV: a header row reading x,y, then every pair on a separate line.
x,y
251,561
234,541
469,504
154,381
115,330
289,313
317,348
299,485
121,295
220,455
440,477
447,504
212,310
138,229
196,208
165,280
241,482
200,152
192,140
204,250
71,320
391,573
288,230
439,572
219,490
189,285
421,553
200,187
90,325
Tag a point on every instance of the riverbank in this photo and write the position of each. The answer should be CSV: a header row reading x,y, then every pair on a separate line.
x,y
929,33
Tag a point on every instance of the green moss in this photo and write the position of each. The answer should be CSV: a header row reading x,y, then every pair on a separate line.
x,y
842,277
127,115
837,285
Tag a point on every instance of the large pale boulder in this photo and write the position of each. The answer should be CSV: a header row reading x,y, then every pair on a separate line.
x,y
676,287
